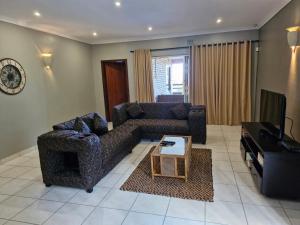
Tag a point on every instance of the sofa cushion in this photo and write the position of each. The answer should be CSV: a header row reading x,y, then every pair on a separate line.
x,y
116,140
100,125
161,126
135,111
80,126
180,112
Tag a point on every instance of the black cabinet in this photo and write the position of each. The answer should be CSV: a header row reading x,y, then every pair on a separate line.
x,y
275,170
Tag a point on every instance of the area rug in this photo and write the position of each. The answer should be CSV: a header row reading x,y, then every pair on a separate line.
x,y
198,187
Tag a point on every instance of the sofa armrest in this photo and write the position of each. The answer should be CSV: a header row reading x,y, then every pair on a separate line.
x,y
197,123
63,150
119,114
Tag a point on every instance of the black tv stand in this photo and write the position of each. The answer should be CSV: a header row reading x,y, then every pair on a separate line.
x,y
275,169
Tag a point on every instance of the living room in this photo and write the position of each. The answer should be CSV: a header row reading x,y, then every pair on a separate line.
x,y
149,113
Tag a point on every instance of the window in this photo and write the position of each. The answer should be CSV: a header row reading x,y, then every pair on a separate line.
x,y
170,75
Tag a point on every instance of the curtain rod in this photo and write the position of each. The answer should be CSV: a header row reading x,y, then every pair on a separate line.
x,y
184,47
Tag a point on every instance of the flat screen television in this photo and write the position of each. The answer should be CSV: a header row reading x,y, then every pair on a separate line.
x,y
272,112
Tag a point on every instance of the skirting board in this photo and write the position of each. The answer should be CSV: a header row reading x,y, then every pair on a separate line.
x,y
18,154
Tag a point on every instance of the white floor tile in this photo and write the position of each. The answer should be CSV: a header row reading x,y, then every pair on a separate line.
x,y
262,215
223,177
177,221
38,212
121,168
235,157
240,167
225,213
104,216
288,204
220,156
60,194
70,214
109,180
222,166
122,180
13,186
34,190
33,162
19,161
224,192
13,205
32,174
251,195
294,216
15,172
4,180
93,199
154,204
244,179
134,218
15,223
186,209
118,199
4,168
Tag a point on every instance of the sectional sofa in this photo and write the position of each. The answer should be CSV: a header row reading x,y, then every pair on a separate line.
x,y
80,159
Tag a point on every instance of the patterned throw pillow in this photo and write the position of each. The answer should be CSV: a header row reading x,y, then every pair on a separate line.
x,y
80,126
100,125
135,111
180,111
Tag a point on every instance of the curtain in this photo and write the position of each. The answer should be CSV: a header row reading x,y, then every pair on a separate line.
x,y
221,80
143,75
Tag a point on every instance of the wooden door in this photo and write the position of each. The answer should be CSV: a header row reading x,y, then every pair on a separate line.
x,y
115,84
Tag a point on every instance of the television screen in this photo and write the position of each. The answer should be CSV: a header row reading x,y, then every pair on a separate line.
x,y
272,112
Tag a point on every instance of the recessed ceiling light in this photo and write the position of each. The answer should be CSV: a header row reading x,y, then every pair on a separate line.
x,y
95,34
118,3
219,20
150,28
36,13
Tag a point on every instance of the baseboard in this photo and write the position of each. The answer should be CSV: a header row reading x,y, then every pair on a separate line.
x,y
18,154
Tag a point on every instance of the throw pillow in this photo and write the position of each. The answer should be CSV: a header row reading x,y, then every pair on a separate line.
x,y
135,111
180,111
100,125
81,126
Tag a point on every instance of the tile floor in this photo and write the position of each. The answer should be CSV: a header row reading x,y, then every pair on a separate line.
x,y
25,200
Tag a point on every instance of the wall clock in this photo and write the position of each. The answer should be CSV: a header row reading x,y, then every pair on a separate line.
x,y
12,76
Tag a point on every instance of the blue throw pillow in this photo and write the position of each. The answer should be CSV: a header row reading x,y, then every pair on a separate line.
x,y
81,127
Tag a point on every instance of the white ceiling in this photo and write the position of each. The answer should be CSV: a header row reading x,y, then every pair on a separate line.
x,y
78,19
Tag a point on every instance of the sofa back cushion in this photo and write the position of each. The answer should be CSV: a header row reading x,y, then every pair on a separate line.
x,y
160,110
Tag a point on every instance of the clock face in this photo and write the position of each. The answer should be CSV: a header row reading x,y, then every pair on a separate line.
x,y
12,77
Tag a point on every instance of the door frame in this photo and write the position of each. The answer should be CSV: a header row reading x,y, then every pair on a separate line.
x,y
104,83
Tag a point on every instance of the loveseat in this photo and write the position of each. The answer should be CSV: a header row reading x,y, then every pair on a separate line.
x,y
158,119
75,159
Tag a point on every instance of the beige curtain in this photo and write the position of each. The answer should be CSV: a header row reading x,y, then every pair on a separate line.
x,y
221,80
143,75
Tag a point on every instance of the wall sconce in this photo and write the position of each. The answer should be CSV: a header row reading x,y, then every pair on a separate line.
x,y
293,37
47,60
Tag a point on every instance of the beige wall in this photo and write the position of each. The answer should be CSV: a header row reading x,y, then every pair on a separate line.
x,y
48,97
279,67
122,51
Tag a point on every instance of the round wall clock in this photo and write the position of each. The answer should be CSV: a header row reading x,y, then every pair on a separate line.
x,y
12,76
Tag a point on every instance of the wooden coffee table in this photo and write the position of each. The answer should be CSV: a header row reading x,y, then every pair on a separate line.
x,y
172,161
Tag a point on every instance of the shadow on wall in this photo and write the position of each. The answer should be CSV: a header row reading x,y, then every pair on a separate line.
x,y
293,93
